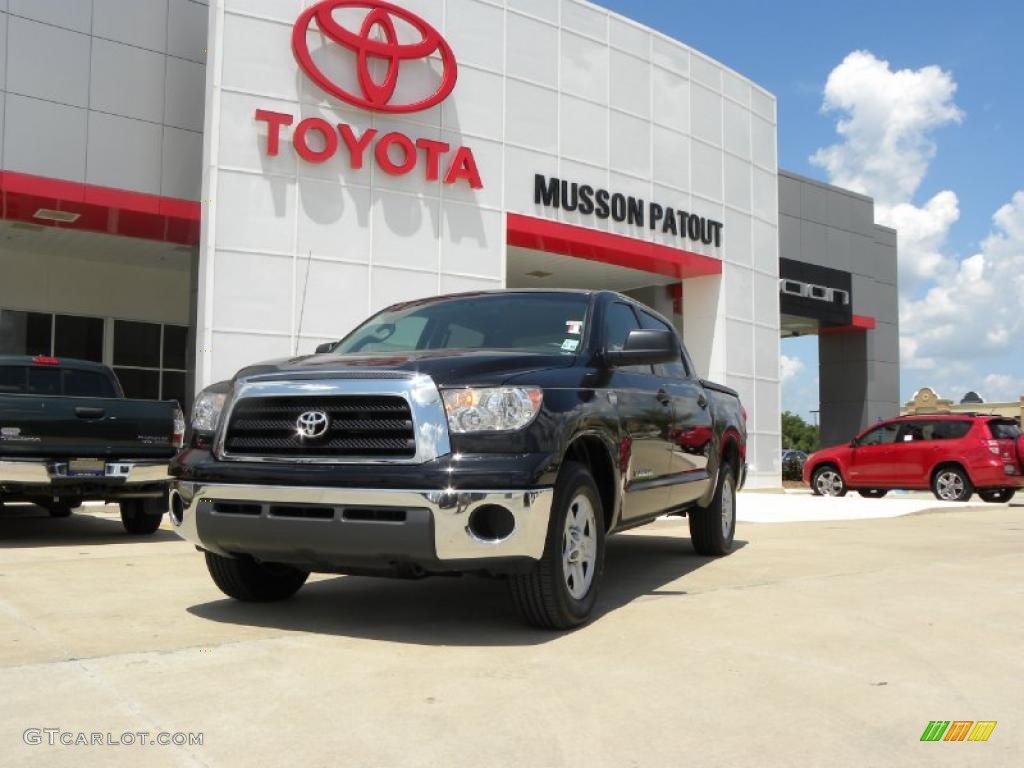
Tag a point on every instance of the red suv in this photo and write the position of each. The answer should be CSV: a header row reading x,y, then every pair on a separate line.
x,y
951,455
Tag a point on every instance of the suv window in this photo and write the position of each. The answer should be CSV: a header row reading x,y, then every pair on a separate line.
x,y
675,369
12,379
883,435
1003,430
951,430
620,320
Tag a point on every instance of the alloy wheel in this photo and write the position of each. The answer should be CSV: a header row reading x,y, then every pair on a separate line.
x,y
950,486
829,483
579,547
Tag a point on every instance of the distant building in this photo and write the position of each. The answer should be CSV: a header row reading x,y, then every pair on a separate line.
x,y
927,400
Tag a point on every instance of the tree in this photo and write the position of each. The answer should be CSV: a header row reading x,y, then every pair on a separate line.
x,y
798,435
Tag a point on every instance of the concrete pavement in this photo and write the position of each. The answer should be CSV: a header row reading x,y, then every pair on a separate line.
x,y
814,643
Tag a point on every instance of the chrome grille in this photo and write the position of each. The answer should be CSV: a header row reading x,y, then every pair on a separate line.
x,y
360,427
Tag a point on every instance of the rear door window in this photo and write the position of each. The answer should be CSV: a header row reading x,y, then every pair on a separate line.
x,y
951,430
675,369
44,381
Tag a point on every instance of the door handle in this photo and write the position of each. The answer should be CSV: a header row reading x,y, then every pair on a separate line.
x,y
663,397
90,413
702,401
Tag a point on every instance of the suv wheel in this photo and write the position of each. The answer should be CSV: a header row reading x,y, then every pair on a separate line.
x,y
827,481
62,508
713,529
141,517
997,495
560,590
873,493
253,582
952,484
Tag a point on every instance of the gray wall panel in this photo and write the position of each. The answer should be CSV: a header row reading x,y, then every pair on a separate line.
x,y
862,216
61,75
837,249
789,237
813,203
124,153
3,53
863,259
185,96
127,81
814,244
186,29
182,164
70,14
838,210
32,125
789,196
136,22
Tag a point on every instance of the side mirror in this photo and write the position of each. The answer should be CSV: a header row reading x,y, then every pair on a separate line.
x,y
323,349
854,443
645,347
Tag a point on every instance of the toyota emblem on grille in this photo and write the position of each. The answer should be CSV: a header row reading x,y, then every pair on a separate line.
x,y
312,424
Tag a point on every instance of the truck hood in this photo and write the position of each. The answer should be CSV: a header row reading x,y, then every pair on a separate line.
x,y
448,368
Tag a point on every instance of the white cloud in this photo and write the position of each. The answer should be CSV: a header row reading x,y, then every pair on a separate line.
x,y
886,125
957,316
888,118
789,367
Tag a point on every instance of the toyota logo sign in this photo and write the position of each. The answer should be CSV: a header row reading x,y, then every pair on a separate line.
x,y
312,424
377,41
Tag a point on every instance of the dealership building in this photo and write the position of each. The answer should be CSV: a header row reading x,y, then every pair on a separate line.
x,y
187,187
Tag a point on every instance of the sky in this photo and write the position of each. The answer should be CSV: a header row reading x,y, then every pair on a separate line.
x,y
921,106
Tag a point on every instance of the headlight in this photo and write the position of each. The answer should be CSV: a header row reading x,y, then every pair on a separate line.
x,y
502,409
206,410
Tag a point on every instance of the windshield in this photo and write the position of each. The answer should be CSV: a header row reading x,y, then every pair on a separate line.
x,y
530,322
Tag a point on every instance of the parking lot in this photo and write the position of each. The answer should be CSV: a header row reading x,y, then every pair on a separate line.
x,y
831,642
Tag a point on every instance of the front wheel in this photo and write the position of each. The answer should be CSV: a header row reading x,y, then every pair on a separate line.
x,y
997,495
251,581
952,484
141,517
827,481
874,493
713,528
560,590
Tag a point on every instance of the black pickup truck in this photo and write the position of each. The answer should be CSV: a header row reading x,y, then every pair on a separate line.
x,y
68,435
502,433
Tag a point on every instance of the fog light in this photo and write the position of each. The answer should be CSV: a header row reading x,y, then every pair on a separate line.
x,y
491,523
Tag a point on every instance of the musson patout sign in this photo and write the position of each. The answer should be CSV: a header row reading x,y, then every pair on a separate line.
x,y
376,41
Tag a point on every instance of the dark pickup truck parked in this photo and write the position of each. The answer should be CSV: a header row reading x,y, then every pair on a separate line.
x,y
68,435
501,433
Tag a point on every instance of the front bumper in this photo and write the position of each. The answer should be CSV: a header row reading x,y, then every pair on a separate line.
x,y
347,529
46,475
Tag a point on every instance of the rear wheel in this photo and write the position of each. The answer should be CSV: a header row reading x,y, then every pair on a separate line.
x,y
952,484
997,495
141,517
253,582
873,493
713,529
560,590
827,481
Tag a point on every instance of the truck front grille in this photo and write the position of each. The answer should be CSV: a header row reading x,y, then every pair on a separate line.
x,y
358,427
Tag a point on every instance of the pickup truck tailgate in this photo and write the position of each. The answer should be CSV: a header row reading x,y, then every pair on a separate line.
x,y
67,427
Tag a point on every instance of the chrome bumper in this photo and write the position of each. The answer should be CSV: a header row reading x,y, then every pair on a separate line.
x,y
42,472
449,512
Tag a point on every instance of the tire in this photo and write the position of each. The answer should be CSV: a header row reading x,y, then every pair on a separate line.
x,y
252,582
827,480
141,517
874,493
560,590
713,528
997,495
952,484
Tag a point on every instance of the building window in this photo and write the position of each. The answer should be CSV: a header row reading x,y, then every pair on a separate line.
x,y
25,333
149,359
